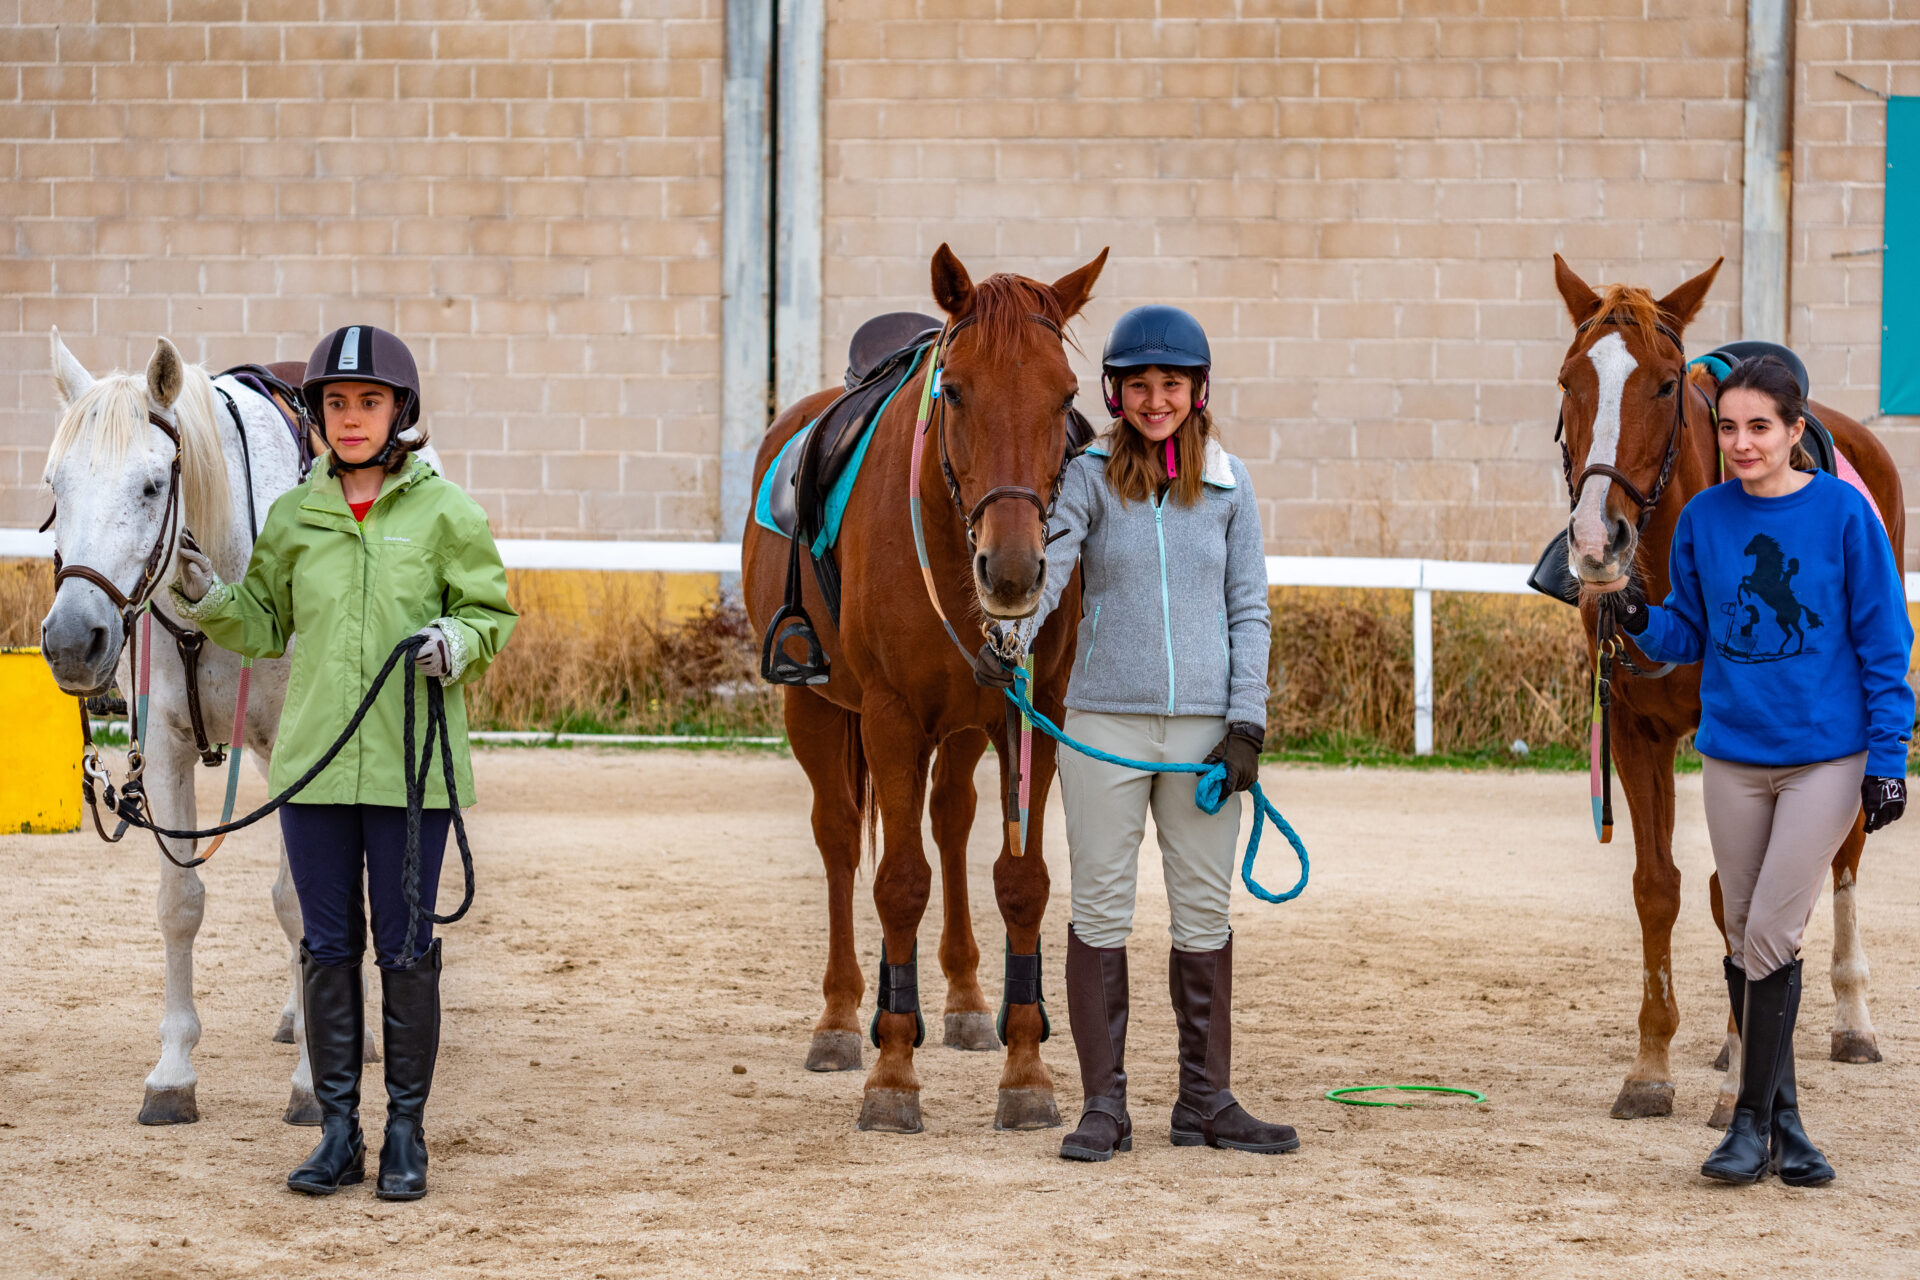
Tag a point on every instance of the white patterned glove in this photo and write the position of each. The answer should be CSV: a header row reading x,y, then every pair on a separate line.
x,y
433,658
196,576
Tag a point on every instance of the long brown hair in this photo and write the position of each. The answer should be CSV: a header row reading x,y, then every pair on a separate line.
x,y
1135,469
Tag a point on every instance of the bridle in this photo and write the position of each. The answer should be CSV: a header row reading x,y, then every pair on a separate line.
x,y
1651,498
172,526
969,516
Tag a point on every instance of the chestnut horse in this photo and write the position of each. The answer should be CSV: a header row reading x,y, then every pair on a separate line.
x,y
900,690
1632,407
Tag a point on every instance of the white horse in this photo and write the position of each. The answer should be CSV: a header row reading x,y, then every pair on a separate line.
x,y
111,473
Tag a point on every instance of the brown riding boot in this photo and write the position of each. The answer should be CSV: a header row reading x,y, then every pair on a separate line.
x,y
1097,1011
1206,1113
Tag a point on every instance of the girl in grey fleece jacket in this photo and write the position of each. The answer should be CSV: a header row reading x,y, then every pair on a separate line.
x,y
1171,660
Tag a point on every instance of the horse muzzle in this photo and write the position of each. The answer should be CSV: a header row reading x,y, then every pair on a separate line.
x,y
82,647
1009,584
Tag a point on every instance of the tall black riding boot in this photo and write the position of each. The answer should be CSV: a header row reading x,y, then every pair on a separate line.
x,y
410,1014
1744,1155
1795,1158
335,1024
1206,1113
1097,1011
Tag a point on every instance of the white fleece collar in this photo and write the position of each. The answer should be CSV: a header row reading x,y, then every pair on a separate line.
x,y
1218,471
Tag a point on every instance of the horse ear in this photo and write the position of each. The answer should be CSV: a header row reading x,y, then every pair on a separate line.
x,y
1680,306
69,375
1580,298
166,374
952,286
1076,287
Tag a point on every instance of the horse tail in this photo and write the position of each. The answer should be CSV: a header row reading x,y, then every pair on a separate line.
x,y
1813,619
860,778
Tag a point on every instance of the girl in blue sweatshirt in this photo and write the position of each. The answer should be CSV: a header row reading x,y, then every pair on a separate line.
x,y
1785,588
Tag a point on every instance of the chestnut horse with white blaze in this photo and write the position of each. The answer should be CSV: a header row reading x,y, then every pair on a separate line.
x,y
1634,411
900,690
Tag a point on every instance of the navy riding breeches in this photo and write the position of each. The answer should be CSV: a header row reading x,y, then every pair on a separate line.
x,y
328,848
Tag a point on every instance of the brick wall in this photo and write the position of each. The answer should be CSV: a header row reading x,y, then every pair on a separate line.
x,y
527,190
1359,197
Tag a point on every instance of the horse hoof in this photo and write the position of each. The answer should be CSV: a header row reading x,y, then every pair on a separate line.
x,y
302,1108
834,1051
283,1034
972,1031
170,1106
1642,1098
1026,1109
891,1111
1722,1111
1855,1046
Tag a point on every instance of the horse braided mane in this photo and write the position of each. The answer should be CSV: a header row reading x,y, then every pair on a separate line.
x,y
1632,307
1004,304
112,413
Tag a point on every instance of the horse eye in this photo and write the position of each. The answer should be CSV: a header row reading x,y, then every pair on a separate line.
x,y
152,489
951,395
1666,389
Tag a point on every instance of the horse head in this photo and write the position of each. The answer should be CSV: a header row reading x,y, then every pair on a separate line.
x,y
123,490
1623,402
1005,392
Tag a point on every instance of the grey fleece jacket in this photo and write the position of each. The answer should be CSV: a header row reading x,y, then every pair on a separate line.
x,y
1175,618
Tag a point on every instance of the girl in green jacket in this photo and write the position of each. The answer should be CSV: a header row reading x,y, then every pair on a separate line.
x,y
374,547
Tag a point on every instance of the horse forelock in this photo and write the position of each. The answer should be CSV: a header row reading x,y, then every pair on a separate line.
x,y
112,413
1004,305
1630,307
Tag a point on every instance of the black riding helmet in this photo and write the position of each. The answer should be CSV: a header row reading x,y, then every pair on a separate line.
x,y
1155,335
362,353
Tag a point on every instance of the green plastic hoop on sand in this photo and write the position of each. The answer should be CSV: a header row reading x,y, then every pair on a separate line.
x,y
1340,1095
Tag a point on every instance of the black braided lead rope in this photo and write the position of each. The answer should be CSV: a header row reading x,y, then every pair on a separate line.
x,y
131,811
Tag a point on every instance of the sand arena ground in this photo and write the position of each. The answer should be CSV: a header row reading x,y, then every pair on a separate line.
x,y
648,924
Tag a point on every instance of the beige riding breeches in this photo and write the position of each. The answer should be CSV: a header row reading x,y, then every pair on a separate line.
x,y
1774,833
1107,821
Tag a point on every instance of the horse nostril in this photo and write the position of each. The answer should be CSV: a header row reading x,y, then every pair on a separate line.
x,y
96,645
980,568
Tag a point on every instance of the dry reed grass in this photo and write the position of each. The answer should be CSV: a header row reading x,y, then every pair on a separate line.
x,y
26,593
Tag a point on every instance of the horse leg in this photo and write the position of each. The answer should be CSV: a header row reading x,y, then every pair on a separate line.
x,y
1853,1036
968,1022
1645,765
1020,885
897,751
302,1106
1729,1058
171,1086
826,742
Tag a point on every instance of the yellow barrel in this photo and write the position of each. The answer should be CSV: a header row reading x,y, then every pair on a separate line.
x,y
39,748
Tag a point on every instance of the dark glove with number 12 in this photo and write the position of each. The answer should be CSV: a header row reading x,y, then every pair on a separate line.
x,y
1884,799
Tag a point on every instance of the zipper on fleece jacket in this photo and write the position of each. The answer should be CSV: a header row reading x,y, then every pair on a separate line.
x,y
1093,634
1166,609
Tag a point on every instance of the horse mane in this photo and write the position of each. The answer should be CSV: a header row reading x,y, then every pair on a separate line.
x,y
112,413
1004,304
1632,307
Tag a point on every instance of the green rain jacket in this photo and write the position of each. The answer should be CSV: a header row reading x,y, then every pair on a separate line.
x,y
350,592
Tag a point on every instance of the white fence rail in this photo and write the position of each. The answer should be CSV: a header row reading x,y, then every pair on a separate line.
x,y
1422,577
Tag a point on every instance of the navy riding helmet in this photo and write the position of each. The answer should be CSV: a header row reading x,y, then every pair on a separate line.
x,y
1155,335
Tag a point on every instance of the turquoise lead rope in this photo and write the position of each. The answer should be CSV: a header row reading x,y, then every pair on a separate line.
x,y
1209,793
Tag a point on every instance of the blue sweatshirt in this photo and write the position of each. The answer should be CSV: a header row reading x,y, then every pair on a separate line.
x,y
1800,614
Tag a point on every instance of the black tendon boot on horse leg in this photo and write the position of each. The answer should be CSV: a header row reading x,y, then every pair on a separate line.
x,y
335,1024
1745,1155
1097,1011
1206,1113
410,1017
1795,1158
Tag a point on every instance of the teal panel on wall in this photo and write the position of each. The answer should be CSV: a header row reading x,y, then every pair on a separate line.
x,y
1900,281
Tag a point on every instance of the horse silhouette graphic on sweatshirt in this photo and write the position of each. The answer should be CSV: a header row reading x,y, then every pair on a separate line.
x,y
1771,584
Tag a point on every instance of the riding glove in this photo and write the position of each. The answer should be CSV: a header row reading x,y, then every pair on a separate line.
x,y
196,576
433,658
990,670
1240,750
1884,799
1628,607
